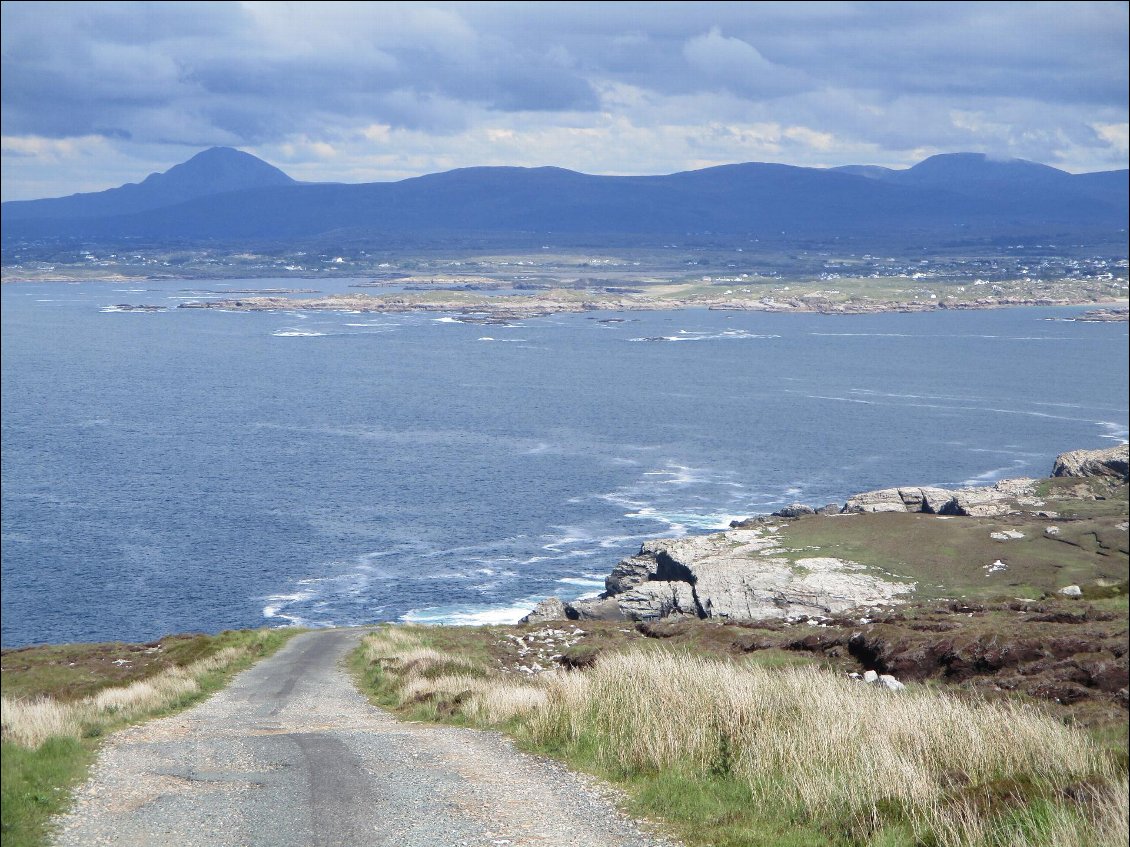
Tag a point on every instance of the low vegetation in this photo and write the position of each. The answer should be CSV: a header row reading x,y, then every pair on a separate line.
x,y
766,747
60,700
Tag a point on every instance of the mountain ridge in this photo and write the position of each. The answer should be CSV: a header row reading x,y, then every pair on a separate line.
x,y
225,194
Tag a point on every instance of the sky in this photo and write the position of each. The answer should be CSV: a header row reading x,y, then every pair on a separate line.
x,y
94,95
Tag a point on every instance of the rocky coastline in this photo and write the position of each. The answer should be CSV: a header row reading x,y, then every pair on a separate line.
x,y
750,573
477,307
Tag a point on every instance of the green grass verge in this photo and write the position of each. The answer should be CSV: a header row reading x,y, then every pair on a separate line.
x,y
718,805
37,784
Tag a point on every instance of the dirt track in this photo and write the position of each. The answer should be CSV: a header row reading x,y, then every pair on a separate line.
x,y
291,754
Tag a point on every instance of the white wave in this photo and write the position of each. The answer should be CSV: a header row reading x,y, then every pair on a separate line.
x,y
1115,431
277,603
702,335
291,332
447,320
994,474
582,582
682,521
472,615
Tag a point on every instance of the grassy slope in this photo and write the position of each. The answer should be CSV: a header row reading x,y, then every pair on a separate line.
x,y
37,783
1062,657
461,672
948,556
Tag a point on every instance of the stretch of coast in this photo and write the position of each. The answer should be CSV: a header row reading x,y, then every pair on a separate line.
x,y
781,566
479,307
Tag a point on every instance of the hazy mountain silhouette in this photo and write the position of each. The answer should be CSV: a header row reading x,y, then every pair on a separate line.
x,y
214,171
225,195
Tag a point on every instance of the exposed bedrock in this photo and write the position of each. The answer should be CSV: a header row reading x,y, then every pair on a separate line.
x,y
743,574
1110,462
734,575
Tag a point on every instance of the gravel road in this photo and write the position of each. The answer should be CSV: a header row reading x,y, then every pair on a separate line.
x,y
291,754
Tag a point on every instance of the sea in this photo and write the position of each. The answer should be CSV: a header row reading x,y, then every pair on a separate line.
x,y
192,470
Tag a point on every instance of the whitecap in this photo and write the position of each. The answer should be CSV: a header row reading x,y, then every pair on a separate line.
x,y
472,615
582,582
290,332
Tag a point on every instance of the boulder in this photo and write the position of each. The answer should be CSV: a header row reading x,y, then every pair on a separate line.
x,y
1071,591
1112,462
596,609
549,609
794,511
884,500
977,503
890,683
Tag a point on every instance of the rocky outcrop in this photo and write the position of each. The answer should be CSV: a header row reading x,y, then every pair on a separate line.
x,y
1111,462
796,510
741,574
990,501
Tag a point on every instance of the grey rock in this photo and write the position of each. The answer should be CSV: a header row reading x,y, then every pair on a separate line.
x,y
654,600
596,609
1071,591
630,572
977,503
870,676
739,575
884,500
549,609
794,511
1113,461
830,509
890,683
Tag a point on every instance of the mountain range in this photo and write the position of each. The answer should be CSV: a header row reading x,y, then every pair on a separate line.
x,y
228,196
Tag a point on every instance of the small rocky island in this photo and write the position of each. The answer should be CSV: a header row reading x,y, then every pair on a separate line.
x,y
882,548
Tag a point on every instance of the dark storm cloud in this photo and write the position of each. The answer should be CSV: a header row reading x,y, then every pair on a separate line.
x,y
113,68
77,69
615,87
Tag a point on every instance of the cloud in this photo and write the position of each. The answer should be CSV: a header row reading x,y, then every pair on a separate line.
x,y
737,66
888,80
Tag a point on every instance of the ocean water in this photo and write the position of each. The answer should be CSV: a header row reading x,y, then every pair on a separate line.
x,y
200,470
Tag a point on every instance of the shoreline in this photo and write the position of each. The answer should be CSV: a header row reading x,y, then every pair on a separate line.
x,y
517,307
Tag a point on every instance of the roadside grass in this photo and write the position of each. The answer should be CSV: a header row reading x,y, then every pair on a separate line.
x,y
60,700
738,752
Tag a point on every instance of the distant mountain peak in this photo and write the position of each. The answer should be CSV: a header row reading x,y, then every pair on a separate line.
x,y
980,166
221,169
217,170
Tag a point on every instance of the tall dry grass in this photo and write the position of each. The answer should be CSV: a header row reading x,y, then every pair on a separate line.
x,y
812,746
31,722
825,748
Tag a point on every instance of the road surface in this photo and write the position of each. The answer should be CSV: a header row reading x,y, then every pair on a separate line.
x,y
290,754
